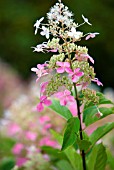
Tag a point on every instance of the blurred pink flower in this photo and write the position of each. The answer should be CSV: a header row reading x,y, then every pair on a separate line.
x,y
47,126
43,87
13,128
48,142
64,66
20,161
44,101
65,97
44,119
31,135
18,147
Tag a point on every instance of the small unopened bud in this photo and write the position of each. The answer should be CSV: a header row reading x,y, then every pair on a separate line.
x,y
98,114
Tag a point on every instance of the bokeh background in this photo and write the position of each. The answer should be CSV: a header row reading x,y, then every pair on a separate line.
x,y
17,33
18,90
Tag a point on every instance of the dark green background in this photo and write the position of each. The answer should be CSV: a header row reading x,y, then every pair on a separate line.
x,y
17,33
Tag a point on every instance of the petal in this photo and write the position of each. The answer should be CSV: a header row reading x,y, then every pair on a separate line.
x,y
73,29
60,70
43,98
91,59
93,35
47,102
44,119
43,87
75,78
76,70
97,81
42,33
88,37
59,94
69,70
63,102
66,64
36,31
67,92
79,74
58,63
40,107
47,35
70,99
73,109
20,161
34,69
40,66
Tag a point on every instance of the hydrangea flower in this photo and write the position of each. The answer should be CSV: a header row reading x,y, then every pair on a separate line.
x,y
97,81
45,32
63,66
13,129
40,70
76,74
30,135
48,142
65,97
40,47
44,119
43,87
37,24
91,35
43,101
75,34
18,147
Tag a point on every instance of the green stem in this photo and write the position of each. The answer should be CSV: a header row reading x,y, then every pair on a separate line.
x,y
80,132
79,116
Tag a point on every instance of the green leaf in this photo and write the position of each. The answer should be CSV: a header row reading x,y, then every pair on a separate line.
x,y
74,158
89,114
64,165
100,132
73,125
106,111
7,163
97,158
6,145
110,159
103,99
84,144
57,136
53,152
61,110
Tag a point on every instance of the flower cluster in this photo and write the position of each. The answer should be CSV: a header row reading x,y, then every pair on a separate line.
x,y
70,66
29,130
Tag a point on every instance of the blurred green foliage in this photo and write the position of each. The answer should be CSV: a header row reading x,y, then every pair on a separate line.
x,y
7,160
17,33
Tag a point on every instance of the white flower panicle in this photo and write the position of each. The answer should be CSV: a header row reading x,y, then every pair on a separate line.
x,y
60,25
